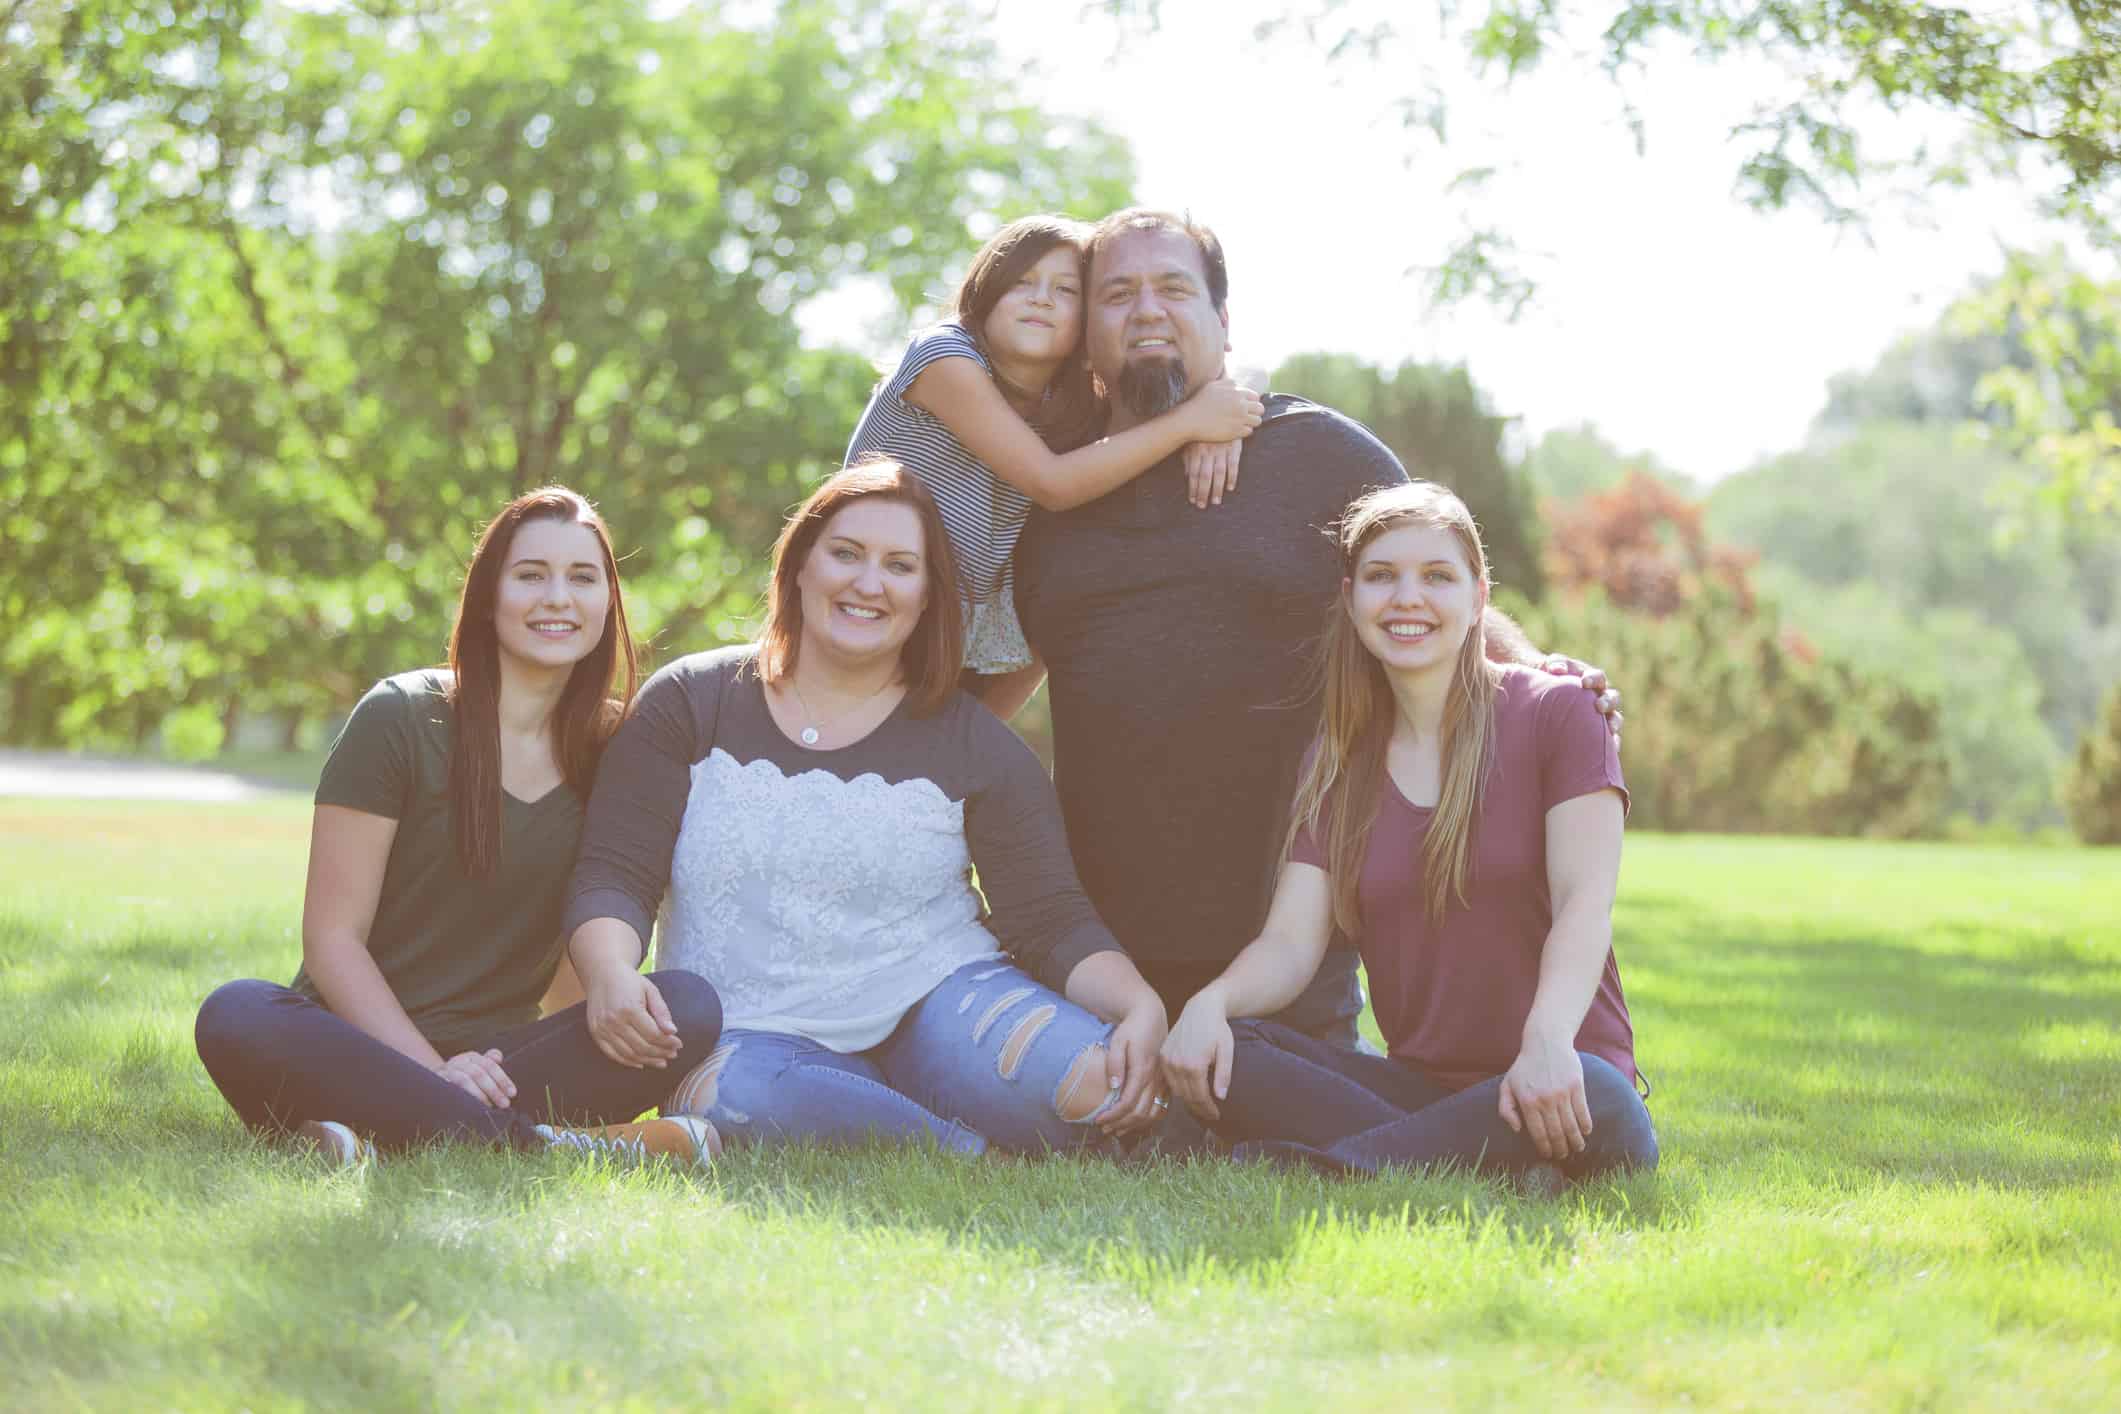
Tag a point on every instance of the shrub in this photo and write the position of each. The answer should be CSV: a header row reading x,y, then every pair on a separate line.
x,y
2091,791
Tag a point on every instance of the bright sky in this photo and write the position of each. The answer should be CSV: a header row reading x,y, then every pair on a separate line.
x,y
1670,315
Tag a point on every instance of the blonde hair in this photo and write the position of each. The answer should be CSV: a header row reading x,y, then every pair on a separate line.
x,y
1343,778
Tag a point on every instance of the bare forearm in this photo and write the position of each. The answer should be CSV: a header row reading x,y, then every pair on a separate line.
x,y
1108,985
1078,477
353,988
1269,974
1569,968
603,946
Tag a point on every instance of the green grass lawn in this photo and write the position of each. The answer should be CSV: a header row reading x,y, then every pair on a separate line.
x,y
1888,1087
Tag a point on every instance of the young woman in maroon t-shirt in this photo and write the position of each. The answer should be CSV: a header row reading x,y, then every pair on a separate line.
x,y
1460,820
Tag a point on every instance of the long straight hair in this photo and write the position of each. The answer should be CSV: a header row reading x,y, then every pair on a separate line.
x,y
934,655
1073,414
591,705
1344,777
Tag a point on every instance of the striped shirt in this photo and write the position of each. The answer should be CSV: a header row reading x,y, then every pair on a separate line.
x,y
982,513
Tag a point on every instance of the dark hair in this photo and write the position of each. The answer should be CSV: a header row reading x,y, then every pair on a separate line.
x,y
1142,218
934,655
1073,414
588,712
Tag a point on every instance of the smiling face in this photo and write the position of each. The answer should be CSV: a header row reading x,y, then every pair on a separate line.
x,y
864,583
1413,597
1039,319
1154,332
551,606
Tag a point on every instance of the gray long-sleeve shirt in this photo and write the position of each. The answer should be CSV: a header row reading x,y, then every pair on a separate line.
x,y
825,892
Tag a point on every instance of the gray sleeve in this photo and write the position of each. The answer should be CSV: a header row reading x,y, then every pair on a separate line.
x,y
638,804
1041,915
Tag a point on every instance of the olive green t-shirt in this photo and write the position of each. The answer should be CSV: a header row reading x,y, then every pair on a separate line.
x,y
467,958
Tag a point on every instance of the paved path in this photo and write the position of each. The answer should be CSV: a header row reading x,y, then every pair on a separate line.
x,y
44,774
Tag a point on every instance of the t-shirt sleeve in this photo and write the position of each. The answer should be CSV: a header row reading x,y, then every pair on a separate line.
x,y
638,803
1013,827
940,341
370,767
1577,754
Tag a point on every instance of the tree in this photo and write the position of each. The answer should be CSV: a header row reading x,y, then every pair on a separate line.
x,y
1438,422
1569,462
2028,88
304,293
2092,790
1643,546
1745,725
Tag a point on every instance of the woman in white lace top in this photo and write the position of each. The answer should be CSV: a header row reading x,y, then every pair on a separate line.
x,y
800,821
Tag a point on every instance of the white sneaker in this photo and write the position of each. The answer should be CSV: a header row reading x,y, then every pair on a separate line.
x,y
338,1146
684,1139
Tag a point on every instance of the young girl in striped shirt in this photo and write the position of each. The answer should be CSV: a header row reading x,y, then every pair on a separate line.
x,y
995,409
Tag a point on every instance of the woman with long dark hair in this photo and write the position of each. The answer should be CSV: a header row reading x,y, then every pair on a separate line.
x,y
800,819
447,819
1460,819
996,410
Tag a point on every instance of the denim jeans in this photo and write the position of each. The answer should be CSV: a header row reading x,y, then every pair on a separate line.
x,y
281,1059
1364,1112
988,1057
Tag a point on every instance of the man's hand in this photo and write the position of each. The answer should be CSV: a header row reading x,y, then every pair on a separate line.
x,y
628,1019
1131,1070
1197,1054
1593,682
1542,1096
479,1074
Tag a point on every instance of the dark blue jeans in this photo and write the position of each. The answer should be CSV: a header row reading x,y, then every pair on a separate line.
x,y
1362,1112
281,1059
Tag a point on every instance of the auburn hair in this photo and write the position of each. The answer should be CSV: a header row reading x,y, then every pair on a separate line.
x,y
1073,414
590,707
1343,778
934,656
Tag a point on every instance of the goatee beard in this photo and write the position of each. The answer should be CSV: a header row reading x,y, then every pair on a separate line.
x,y
1149,387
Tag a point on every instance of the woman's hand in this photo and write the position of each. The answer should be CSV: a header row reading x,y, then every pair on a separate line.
x,y
1131,1069
1211,469
1542,1096
479,1074
1197,1054
628,1019
1223,411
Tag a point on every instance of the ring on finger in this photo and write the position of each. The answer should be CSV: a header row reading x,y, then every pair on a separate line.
x,y
1161,1102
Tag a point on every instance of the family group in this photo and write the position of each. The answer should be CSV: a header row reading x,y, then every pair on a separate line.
x,y
1294,744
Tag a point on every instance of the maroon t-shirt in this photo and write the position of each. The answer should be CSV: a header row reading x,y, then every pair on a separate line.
x,y
1452,997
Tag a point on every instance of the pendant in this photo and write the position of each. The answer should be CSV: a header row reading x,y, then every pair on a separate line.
x,y
809,735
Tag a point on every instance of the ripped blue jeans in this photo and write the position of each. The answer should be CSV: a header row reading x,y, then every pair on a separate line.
x,y
989,1057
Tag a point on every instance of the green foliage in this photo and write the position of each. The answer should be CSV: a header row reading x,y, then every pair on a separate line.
x,y
1734,725
2028,89
307,293
1438,422
1914,511
1572,462
2062,400
2092,791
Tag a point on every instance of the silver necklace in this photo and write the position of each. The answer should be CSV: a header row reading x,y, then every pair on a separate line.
x,y
813,725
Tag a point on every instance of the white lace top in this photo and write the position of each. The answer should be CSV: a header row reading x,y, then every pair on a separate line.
x,y
825,892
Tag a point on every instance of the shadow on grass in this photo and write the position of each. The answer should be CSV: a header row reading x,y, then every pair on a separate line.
x,y
1846,1051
